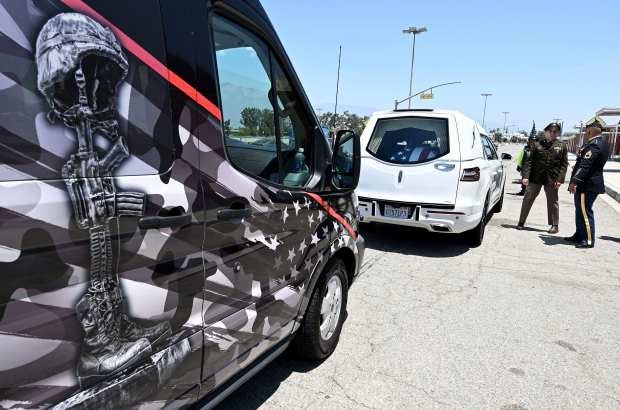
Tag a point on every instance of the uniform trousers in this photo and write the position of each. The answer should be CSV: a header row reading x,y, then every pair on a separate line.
x,y
553,205
584,217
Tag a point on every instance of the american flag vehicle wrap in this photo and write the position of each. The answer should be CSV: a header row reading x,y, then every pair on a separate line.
x,y
104,133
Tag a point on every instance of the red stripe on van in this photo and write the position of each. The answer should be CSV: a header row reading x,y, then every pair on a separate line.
x,y
147,58
332,212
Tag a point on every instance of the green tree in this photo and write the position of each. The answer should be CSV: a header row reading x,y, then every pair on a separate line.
x,y
346,120
227,128
250,121
266,124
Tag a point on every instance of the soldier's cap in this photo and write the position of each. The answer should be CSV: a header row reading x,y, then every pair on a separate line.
x,y
554,125
596,122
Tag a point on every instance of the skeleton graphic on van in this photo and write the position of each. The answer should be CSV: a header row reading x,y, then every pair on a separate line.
x,y
80,65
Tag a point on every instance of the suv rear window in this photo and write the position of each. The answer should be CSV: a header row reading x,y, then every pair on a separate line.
x,y
409,140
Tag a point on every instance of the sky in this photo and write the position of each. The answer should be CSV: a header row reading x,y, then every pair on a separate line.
x,y
540,59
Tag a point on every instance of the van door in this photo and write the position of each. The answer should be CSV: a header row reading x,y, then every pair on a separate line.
x,y
411,159
259,235
101,268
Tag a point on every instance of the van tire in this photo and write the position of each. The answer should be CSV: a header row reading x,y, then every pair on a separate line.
x,y
475,236
500,204
308,342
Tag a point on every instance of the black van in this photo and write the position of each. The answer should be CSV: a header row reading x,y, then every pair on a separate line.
x,y
171,215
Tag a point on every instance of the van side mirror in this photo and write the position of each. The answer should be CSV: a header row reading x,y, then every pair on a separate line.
x,y
345,171
506,157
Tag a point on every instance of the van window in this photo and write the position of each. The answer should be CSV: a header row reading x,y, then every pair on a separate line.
x,y
409,140
294,131
265,130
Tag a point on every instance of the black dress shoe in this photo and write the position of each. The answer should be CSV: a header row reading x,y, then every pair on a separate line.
x,y
583,245
572,239
520,227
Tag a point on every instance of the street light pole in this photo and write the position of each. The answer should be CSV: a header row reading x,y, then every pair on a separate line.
x,y
337,89
484,113
505,117
415,31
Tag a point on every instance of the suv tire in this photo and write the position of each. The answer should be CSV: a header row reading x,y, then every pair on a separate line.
x,y
500,204
475,236
320,329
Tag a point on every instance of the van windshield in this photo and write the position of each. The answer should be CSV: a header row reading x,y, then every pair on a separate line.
x,y
409,140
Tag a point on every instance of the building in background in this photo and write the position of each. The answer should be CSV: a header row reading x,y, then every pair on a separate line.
x,y
610,133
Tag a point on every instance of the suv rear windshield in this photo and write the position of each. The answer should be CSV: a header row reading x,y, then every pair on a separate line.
x,y
409,140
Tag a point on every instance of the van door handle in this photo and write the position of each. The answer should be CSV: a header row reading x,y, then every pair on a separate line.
x,y
158,222
444,167
228,214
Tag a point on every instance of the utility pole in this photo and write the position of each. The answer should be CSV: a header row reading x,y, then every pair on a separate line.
x,y
415,31
484,113
337,90
505,117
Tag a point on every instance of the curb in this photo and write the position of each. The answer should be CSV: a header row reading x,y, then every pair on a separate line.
x,y
612,192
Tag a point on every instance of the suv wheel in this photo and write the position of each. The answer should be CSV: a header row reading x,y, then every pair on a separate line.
x,y
500,204
476,235
320,330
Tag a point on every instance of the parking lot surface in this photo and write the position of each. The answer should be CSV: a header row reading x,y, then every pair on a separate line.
x,y
523,322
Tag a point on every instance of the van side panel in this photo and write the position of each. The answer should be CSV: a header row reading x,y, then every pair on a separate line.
x,y
152,278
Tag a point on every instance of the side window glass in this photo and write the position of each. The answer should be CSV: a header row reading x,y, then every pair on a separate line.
x,y
492,148
294,131
266,131
244,66
488,153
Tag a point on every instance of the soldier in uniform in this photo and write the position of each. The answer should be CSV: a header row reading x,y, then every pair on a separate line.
x,y
587,182
546,167
523,157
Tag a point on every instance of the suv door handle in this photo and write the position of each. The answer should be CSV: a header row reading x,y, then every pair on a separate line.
x,y
158,222
442,166
228,214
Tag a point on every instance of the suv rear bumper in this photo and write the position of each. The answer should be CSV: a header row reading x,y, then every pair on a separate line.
x,y
432,217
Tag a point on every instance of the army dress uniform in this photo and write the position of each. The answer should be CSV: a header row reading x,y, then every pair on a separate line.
x,y
587,175
546,165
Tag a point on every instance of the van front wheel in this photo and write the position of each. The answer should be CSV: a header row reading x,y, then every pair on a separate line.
x,y
320,330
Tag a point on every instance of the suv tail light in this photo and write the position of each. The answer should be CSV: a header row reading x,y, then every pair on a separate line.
x,y
471,174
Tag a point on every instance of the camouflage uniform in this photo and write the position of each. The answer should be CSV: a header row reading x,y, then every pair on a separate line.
x,y
546,165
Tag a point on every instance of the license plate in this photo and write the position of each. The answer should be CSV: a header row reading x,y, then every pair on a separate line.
x,y
396,212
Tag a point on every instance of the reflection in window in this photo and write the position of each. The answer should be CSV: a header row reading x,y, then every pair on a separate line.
x,y
243,70
251,122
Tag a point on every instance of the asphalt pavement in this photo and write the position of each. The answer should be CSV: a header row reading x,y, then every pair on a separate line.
x,y
523,322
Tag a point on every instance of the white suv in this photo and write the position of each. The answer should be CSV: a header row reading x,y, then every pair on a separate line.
x,y
433,169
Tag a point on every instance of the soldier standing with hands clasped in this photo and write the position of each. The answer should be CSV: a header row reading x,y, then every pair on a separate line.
x,y
587,182
546,167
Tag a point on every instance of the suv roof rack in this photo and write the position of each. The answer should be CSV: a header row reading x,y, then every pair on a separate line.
x,y
414,109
